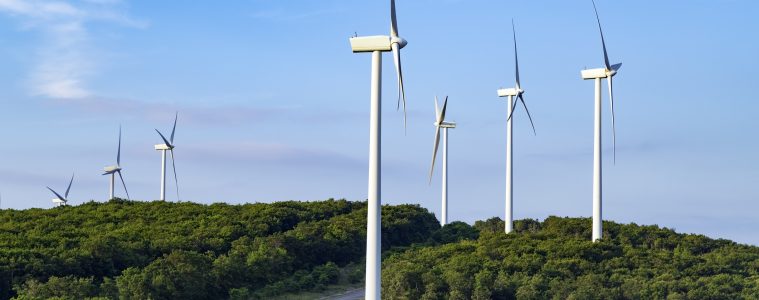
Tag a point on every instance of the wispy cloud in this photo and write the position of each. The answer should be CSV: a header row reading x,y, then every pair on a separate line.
x,y
66,58
287,15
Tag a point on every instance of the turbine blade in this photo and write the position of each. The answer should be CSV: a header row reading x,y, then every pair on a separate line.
x,y
393,20
124,184
528,114
613,124
616,66
56,194
118,154
434,151
603,42
174,128
442,112
401,92
437,112
69,188
165,141
516,58
174,166
513,108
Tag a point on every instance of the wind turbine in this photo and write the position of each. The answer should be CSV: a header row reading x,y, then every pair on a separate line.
x,y
376,45
608,72
440,123
62,200
112,170
168,144
513,94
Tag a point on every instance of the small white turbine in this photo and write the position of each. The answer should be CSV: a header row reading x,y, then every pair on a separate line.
x,y
376,45
113,170
62,200
512,94
608,72
168,144
440,123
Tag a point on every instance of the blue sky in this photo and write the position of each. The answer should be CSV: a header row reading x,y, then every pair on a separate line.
x,y
274,106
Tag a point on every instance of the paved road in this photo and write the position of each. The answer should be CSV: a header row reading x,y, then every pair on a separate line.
x,y
356,294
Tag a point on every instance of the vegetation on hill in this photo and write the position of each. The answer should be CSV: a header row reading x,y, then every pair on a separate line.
x,y
162,250
555,259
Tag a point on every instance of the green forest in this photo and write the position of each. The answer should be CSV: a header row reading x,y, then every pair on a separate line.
x,y
162,250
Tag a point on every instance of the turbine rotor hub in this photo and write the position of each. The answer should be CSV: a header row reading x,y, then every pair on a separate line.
x,y
398,40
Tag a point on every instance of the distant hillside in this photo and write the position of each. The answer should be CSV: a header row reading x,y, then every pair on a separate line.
x,y
555,259
163,250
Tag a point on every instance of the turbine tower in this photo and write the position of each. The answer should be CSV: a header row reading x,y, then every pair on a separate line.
x,y
112,170
168,145
62,200
513,94
440,123
608,72
376,45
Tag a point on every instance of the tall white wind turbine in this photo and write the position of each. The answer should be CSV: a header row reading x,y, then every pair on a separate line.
x,y
168,145
608,72
440,123
113,170
376,45
513,94
62,200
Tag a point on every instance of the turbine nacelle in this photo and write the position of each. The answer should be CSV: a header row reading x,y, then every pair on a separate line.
x,y
376,43
445,124
510,92
161,147
111,169
59,202
596,73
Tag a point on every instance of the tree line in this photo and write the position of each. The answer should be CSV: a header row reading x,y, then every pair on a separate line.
x,y
161,250
555,259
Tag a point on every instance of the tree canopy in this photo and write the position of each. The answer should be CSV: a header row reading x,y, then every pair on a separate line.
x,y
162,250
555,259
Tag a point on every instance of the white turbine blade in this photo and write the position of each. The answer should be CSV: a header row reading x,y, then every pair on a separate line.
x,y
513,108
434,151
174,128
616,66
56,194
437,112
603,42
399,69
174,166
528,114
516,58
393,20
118,153
165,141
124,184
69,188
445,106
613,124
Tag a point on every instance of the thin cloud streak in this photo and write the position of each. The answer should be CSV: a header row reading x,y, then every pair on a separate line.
x,y
66,59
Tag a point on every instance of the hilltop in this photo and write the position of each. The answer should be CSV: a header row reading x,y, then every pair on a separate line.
x,y
555,259
162,250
